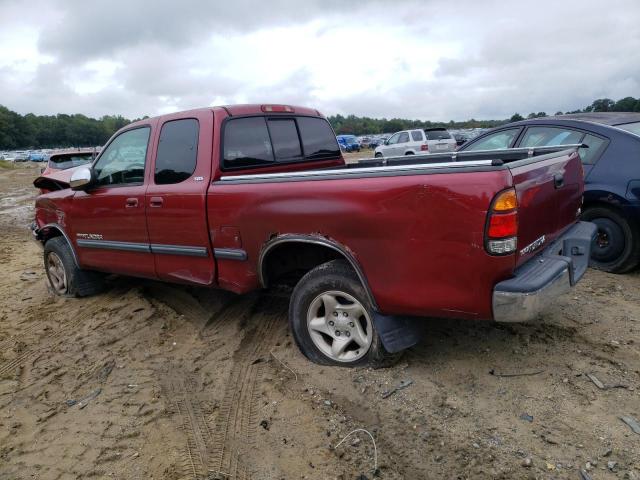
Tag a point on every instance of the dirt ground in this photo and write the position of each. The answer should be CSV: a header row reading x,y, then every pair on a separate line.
x,y
149,380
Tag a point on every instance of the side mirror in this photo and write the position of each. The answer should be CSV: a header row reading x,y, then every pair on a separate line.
x,y
81,178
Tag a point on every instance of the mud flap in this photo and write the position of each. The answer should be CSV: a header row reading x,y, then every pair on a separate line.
x,y
398,332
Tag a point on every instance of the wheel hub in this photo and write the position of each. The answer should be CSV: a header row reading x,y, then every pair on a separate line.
x,y
340,326
56,273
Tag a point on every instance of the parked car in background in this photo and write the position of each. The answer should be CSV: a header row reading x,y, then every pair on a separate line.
x,y
375,142
66,160
21,157
36,156
611,162
413,142
460,139
350,143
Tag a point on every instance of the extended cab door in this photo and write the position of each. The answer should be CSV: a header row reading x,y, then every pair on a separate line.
x,y
176,199
108,220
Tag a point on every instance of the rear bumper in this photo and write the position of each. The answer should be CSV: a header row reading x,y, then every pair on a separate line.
x,y
542,279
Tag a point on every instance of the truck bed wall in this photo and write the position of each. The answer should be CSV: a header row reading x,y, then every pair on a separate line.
x,y
418,239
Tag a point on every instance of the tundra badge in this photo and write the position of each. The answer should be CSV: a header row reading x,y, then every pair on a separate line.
x,y
538,242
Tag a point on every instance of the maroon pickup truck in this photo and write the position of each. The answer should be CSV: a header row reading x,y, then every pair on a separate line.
x,y
249,196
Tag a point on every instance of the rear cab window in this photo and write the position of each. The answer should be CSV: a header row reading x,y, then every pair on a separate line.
x,y
262,141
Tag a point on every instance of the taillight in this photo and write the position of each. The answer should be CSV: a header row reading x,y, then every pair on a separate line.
x,y
501,236
424,148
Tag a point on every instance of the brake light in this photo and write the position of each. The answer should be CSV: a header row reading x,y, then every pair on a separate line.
x,y
277,108
501,235
424,148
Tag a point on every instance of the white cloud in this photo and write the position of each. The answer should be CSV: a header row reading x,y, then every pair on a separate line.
x,y
435,60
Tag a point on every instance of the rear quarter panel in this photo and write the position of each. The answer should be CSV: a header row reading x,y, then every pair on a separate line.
x,y
418,239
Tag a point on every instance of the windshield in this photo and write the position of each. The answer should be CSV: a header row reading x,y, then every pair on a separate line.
x,y
631,127
437,134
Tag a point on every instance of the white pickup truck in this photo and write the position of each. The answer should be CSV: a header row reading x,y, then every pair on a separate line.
x,y
413,142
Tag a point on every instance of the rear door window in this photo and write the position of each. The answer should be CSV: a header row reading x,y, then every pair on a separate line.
x,y
177,151
495,141
547,136
595,146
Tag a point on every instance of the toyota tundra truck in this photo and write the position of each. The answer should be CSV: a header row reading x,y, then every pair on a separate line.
x,y
251,196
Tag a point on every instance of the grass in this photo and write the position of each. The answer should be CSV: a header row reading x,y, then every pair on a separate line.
x,y
7,164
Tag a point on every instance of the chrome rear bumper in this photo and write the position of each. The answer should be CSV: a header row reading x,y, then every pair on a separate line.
x,y
553,272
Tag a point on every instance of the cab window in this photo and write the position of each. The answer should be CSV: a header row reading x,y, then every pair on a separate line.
x,y
495,141
123,161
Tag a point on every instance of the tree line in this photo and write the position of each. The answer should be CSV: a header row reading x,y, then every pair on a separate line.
x,y
62,130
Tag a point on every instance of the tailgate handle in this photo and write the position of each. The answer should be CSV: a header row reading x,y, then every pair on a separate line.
x,y
558,180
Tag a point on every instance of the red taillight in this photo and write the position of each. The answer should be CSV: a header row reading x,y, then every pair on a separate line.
x,y
502,224
277,108
424,148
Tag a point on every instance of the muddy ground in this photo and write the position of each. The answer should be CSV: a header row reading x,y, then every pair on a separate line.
x,y
149,380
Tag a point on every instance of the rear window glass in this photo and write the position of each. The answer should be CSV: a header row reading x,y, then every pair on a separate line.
x,y
284,136
247,143
318,139
631,127
177,151
416,135
437,135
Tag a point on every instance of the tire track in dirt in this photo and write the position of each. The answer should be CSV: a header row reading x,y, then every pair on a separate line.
x,y
24,356
217,443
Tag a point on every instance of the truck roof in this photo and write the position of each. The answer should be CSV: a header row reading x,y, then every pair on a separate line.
x,y
242,109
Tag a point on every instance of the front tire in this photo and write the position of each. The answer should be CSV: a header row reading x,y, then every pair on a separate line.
x,y
378,155
331,319
616,248
65,278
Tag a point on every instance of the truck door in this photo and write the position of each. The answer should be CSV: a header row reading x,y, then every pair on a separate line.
x,y
176,200
108,221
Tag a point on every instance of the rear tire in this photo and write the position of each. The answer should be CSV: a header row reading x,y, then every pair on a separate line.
x,y
65,278
331,319
616,248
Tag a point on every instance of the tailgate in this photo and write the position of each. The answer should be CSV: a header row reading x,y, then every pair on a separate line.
x,y
549,190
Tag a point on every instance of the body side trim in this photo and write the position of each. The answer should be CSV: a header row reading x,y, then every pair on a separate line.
x,y
179,250
111,245
292,238
230,254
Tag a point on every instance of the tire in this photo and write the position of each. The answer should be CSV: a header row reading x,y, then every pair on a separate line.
x,y
65,278
617,246
408,153
335,283
378,155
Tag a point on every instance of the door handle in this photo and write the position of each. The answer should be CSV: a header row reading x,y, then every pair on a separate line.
x,y
156,201
131,202
558,180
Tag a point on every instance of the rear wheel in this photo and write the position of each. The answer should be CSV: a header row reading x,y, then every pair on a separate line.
x,y
616,248
65,278
332,320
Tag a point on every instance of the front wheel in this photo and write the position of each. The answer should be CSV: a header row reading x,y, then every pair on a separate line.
x,y
616,248
378,155
65,277
332,320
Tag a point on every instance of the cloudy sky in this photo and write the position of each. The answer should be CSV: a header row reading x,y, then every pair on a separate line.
x,y
430,59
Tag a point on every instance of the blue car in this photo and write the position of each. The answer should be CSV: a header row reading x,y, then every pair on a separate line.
x,y
36,157
611,161
349,143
